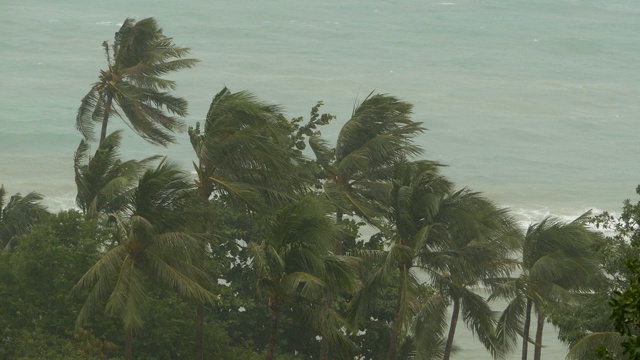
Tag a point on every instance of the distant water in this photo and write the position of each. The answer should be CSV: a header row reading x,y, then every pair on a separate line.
x,y
535,103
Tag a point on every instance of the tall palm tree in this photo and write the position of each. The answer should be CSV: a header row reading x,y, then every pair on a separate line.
x,y
151,250
245,156
141,54
417,192
290,261
18,215
379,133
456,239
104,182
557,261
471,242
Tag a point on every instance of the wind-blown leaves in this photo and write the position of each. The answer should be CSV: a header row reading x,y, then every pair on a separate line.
x,y
103,181
18,215
140,54
151,250
557,261
379,133
245,152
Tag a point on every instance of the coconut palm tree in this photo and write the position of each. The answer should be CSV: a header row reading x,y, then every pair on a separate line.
x,y
417,192
358,170
104,182
151,250
379,133
246,157
291,260
132,86
245,151
18,215
472,242
557,261
456,239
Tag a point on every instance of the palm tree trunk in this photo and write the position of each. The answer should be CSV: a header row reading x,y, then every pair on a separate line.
x,y
452,329
128,345
205,193
273,330
397,321
338,246
540,326
324,344
105,119
525,333
200,331
337,249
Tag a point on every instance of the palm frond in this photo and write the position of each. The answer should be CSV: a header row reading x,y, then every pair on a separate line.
x,y
90,111
585,349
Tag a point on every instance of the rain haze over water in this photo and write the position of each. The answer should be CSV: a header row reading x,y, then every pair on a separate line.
x,y
535,104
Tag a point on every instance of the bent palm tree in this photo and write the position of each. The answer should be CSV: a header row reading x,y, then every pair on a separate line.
x,y
245,155
472,241
150,249
557,261
18,215
244,150
141,54
104,181
358,170
415,197
290,261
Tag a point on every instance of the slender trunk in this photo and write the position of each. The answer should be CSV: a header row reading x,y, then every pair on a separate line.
x,y
205,193
540,326
273,330
200,331
105,118
338,246
525,333
330,295
324,344
452,329
128,345
397,321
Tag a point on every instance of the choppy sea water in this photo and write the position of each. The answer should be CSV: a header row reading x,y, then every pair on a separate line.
x,y
533,103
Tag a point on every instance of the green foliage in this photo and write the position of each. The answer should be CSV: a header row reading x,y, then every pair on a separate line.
x,y
38,313
140,55
617,336
103,180
18,215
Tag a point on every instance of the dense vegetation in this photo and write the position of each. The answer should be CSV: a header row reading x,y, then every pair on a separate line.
x,y
263,253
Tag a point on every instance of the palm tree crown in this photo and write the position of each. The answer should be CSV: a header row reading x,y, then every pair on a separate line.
x,y
140,55
379,133
18,215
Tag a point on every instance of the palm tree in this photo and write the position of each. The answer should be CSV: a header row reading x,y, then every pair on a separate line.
x,y
104,181
472,241
290,261
557,261
140,55
379,133
18,215
456,239
151,250
358,170
414,201
245,151
246,156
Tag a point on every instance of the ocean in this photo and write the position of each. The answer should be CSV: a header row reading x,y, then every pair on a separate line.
x,y
534,103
